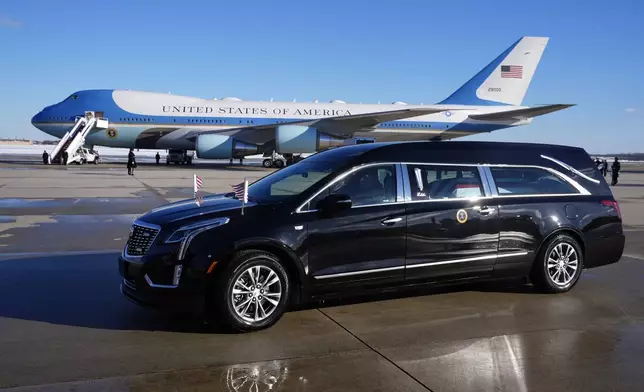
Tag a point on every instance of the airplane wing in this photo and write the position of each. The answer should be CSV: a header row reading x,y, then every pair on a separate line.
x,y
520,114
339,125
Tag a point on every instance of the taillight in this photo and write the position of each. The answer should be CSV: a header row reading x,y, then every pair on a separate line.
x,y
614,204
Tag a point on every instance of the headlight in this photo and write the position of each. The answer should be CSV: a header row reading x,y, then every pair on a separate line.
x,y
184,231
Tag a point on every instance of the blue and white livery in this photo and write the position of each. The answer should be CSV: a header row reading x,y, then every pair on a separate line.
x,y
232,128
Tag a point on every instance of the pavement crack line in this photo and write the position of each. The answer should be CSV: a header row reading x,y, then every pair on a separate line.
x,y
375,350
149,188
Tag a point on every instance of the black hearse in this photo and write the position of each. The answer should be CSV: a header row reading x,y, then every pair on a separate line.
x,y
377,215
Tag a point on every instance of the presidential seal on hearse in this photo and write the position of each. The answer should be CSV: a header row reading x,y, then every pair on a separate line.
x,y
370,216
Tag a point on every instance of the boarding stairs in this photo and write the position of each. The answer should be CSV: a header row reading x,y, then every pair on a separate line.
x,y
75,138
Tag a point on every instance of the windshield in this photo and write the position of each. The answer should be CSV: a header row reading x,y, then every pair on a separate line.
x,y
292,180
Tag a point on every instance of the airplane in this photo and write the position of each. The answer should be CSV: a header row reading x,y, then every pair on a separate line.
x,y
231,128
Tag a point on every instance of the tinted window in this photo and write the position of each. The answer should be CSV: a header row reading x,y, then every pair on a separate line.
x,y
291,180
529,181
444,182
367,186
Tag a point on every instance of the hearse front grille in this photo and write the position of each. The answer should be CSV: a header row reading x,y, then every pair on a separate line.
x,y
141,238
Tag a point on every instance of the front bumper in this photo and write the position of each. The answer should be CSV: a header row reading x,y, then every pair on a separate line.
x,y
144,283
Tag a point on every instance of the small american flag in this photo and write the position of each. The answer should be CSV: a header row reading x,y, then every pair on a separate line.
x,y
241,191
512,71
198,182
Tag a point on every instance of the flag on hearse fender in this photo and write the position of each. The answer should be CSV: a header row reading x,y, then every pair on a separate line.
x,y
241,192
197,182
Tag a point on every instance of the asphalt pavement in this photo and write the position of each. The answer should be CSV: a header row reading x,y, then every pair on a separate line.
x,y
65,326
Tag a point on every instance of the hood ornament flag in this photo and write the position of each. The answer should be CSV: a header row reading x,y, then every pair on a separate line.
x,y
241,192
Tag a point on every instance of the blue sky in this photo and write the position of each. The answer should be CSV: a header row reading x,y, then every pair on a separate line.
x,y
358,51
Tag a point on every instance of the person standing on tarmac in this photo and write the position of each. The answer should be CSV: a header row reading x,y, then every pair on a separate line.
x,y
157,157
131,162
616,168
605,168
45,157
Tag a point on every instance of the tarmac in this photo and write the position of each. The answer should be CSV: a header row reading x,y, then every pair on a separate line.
x,y
65,326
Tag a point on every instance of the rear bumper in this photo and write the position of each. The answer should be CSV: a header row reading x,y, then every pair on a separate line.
x,y
604,251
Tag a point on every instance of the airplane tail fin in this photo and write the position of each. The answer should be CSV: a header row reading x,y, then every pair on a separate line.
x,y
506,79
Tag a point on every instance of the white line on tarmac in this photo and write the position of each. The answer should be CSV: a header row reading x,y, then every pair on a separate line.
x,y
4,256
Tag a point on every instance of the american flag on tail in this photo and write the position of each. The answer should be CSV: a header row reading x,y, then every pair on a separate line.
x,y
197,182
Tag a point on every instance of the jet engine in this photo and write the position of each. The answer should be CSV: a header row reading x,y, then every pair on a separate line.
x,y
300,139
223,147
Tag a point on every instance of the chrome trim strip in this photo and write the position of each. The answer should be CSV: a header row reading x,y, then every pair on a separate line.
x,y
400,191
370,271
214,222
489,178
159,286
464,260
572,169
406,183
186,241
359,272
483,179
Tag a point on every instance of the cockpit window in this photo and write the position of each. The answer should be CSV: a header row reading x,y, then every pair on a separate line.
x,y
73,96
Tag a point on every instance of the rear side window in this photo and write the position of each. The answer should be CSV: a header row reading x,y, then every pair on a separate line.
x,y
529,181
444,182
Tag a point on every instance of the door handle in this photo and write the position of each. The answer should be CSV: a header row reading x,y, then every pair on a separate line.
x,y
391,221
484,210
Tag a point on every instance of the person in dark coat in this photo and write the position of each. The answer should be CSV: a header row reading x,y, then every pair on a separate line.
x,y
157,157
65,157
616,168
131,162
45,157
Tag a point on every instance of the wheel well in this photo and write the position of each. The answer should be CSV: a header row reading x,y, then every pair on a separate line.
x,y
289,265
571,232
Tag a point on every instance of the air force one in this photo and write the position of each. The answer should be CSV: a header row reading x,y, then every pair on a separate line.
x,y
231,128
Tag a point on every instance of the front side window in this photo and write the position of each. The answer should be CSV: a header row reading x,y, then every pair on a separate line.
x,y
367,186
529,181
444,182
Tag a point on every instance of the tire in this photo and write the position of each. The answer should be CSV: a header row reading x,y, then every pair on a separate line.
x,y
543,277
267,163
222,308
279,164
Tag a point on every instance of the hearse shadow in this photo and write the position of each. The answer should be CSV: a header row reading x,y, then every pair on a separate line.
x,y
83,291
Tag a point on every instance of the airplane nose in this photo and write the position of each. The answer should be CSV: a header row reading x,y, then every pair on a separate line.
x,y
36,119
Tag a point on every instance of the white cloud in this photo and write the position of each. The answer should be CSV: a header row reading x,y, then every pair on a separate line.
x,y
6,21
630,110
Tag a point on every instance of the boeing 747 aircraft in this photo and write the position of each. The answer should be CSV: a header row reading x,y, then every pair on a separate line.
x,y
231,128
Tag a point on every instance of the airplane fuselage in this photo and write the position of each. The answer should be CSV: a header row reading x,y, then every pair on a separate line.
x,y
160,121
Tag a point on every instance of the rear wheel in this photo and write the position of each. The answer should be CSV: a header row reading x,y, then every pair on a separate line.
x,y
267,163
252,292
279,163
558,265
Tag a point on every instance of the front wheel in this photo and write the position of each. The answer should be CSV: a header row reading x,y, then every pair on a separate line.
x,y
252,293
558,265
267,163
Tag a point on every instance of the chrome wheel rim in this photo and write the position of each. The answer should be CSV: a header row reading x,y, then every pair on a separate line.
x,y
563,262
256,293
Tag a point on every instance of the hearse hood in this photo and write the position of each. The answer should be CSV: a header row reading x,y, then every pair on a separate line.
x,y
188,210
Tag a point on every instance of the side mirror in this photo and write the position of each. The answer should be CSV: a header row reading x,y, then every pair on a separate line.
x,y
334,203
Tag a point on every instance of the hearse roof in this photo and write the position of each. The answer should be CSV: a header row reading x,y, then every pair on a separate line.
x,y
463,152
